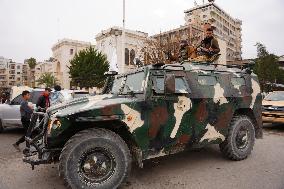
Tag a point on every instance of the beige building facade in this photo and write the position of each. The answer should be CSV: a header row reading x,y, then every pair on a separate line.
x,y
44,67
226,27
64,51
4,71
12,73
110,43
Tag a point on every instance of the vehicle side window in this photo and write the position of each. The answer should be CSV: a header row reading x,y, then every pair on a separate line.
x,y
181,86
160,81
238,81
207,80
17,100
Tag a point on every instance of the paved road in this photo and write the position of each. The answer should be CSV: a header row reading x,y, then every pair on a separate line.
x,y
195,169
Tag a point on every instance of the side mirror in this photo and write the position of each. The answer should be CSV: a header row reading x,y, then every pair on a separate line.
x,y
170,84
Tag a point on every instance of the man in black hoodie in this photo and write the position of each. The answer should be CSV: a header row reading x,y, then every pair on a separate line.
x,y
44,101
209,46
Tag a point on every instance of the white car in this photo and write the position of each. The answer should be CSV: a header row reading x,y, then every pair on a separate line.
x,y
10,112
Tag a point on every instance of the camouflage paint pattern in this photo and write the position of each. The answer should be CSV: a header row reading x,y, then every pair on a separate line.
x,y
163,124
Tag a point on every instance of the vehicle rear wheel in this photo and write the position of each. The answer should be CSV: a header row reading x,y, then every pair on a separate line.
x,y
95,158
1,127
240,140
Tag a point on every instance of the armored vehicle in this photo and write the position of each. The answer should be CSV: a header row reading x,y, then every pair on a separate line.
x,y
153,111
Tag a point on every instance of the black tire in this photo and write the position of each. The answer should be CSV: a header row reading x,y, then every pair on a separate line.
x,y
238,145
1,127
94,151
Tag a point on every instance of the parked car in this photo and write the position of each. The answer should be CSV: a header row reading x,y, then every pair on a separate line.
x,y
10,111
153,111
273,107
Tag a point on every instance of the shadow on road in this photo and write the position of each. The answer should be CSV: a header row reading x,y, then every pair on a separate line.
x,y
13,131
277,129
189,160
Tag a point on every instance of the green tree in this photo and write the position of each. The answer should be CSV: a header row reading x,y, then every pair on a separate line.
x,y
266,68
31,62
87,68
47,79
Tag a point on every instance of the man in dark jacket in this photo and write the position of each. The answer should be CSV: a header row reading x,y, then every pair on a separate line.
x,y
209,46
44,102
26,112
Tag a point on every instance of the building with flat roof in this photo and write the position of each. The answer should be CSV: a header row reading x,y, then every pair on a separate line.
x,y
110,43
226,27
64,51
4,72
44,67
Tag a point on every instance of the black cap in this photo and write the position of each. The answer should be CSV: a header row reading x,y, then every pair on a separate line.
x,y
57,88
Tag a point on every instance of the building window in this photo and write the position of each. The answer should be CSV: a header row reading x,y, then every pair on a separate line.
x,y
132,57
126,56
18,67
71,51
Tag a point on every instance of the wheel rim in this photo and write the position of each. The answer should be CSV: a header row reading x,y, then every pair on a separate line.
x,y
96,166
242,138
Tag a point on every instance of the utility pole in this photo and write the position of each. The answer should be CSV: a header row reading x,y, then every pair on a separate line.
x,y
123,40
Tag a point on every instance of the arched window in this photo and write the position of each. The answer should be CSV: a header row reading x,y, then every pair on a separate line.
x,y
126,56
132,57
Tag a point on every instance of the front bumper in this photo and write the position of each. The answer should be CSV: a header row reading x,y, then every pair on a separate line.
x,y
273,117
36,152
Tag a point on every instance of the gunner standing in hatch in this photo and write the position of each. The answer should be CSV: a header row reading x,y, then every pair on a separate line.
x,y
209,45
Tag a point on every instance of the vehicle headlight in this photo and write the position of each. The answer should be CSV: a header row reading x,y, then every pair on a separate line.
x,y
53,124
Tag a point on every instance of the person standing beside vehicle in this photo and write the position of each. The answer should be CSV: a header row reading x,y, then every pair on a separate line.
x,y
56,98
44,102
26,113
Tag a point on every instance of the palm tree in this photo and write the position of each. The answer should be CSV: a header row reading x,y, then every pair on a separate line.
x,y
32,64
47,79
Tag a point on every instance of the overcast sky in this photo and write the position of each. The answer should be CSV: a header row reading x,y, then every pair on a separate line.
x,y
29,28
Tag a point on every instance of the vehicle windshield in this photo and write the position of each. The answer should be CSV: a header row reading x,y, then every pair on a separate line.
x,y
275,96
132,83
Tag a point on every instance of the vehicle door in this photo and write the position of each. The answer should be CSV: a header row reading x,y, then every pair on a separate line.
x,y
11,112
169,125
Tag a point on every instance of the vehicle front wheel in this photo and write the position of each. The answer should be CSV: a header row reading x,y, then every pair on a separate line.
x,y
95,158
240,140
